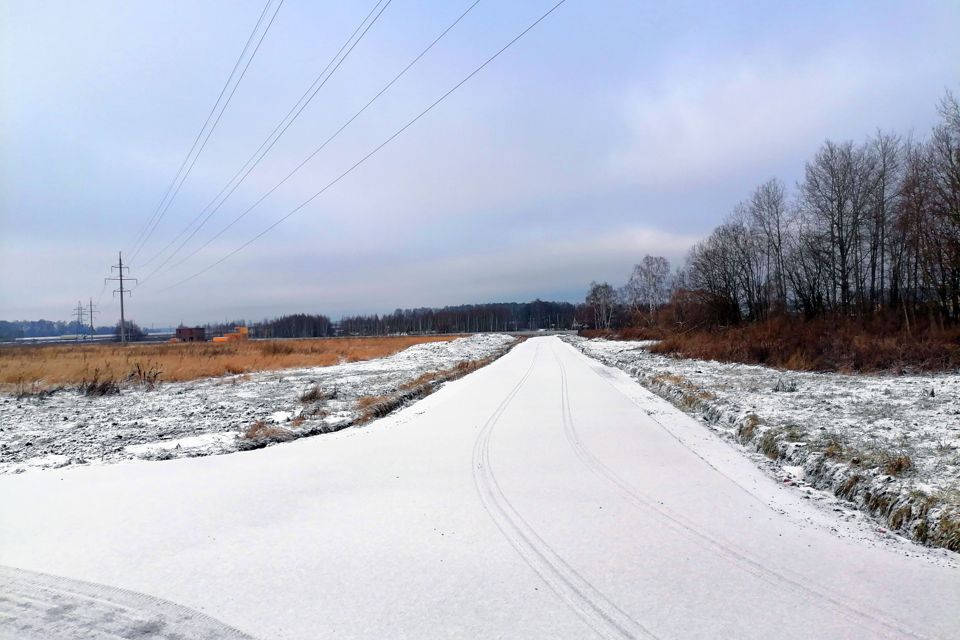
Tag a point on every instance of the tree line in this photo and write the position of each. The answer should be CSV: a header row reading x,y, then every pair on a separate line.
x,y
872,228
16,329
298,325
472,318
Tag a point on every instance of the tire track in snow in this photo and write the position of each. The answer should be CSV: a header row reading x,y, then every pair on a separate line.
x,y
595,609
601,372
876,620
36,605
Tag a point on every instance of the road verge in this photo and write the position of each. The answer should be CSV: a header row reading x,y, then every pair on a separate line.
x,y
807,426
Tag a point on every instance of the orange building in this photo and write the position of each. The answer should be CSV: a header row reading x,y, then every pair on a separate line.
x,y
238,335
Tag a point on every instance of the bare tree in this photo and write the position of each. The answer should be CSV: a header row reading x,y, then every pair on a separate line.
x,y
649,285
768,213
887,150
602,299
871,228
836,192
944,257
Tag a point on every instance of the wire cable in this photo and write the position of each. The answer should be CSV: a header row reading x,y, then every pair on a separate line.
x,y
268,144
181,176
368,155
186,158
102,289
314,153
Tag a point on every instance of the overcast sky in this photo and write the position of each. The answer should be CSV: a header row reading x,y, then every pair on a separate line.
x,y
614,129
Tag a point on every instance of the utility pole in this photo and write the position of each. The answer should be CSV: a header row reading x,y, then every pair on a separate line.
x,y
92,311
81,314
121,291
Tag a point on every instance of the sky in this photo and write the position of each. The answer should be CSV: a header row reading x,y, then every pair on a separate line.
x,y
611,130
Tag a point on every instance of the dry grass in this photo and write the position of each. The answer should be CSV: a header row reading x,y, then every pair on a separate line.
x,y
897,464
642,332
99,386
373,407
849,487
834,448
670,378
827,344
365,402
317,394
46,366
747,429
260,430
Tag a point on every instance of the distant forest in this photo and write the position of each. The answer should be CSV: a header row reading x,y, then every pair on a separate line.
x,y
12,330
473,318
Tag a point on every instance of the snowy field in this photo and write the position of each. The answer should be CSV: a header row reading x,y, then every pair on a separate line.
x,y
889,444
210,416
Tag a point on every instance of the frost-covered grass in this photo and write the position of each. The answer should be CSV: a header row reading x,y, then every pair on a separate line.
x,y
889,444
220,415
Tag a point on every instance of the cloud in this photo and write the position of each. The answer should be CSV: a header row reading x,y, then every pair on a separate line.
x,y
700,123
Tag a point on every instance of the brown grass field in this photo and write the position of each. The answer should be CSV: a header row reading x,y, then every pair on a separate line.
x,y
46,366
826,344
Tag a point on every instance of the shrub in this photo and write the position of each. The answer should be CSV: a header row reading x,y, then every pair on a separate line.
x,y
768,444
96,386
316,394
848,487
895,465
147,375
785,386
747,428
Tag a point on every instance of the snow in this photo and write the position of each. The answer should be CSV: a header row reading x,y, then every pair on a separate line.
x,y
873,417
205,441
206,417
545,495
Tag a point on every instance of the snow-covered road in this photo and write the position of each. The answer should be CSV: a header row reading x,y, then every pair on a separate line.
x,y
545,495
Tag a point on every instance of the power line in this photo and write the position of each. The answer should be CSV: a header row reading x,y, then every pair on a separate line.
x,y
371,153
209,132
311,156
93,311
268,144
81,315
205,123
102,289
178,180
309,94
186,158
123,320
161,207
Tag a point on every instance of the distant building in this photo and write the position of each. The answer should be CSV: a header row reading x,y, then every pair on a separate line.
x,y
191,334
